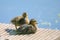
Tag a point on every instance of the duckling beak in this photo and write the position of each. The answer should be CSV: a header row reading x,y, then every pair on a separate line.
x,y
36,22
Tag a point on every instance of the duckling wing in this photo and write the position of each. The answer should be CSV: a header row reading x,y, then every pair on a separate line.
x,y
16,19
22,21
29,29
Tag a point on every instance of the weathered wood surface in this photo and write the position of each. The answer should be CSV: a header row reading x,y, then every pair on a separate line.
x,y
6,32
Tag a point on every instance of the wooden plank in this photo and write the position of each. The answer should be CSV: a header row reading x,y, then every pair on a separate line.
x,y
41,34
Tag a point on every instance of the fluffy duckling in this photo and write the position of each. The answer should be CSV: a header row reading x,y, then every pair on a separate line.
x,y
20,20
29,28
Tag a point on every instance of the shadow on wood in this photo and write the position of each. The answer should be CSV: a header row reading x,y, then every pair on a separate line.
x,y
14,32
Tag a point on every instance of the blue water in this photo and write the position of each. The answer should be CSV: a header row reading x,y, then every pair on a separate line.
x,y
46,12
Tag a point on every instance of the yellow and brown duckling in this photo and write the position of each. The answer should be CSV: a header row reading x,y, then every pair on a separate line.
x,y
29,28
33,27
20,20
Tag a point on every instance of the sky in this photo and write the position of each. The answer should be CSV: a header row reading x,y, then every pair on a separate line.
x,y
46,12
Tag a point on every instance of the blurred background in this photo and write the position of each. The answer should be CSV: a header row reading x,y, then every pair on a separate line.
x,y
46,12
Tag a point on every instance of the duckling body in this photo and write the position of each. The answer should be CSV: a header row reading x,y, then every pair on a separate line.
x,y
15,20
28,28
20,20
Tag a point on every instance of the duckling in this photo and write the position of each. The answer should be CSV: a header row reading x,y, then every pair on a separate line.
x,y
29,28
20,20
33,27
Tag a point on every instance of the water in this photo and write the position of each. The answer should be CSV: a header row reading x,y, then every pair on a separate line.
x,y
46,12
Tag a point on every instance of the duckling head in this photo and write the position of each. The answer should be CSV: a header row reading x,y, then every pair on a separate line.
x,y
24,14
33,22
